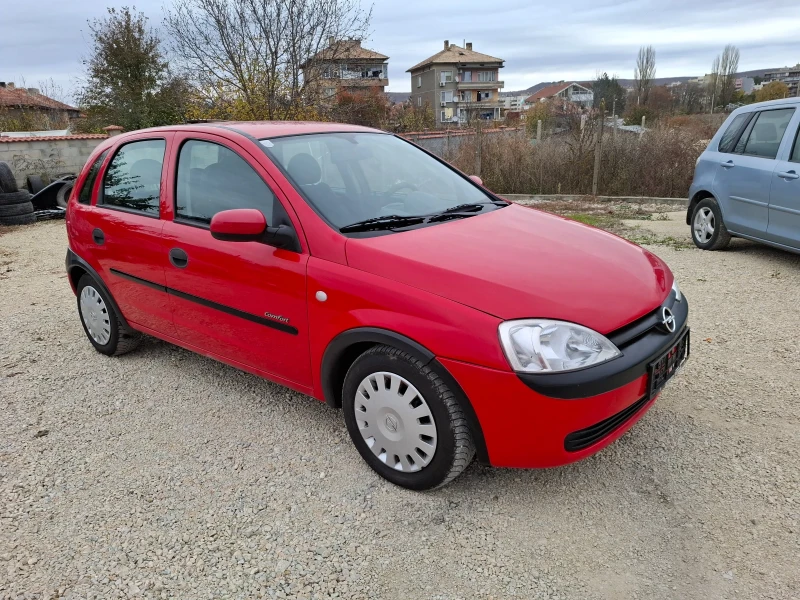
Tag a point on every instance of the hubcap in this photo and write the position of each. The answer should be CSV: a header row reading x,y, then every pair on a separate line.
x,y
95,315
704,225
395,421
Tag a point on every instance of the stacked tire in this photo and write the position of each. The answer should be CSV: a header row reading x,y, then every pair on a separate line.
x,y
15,204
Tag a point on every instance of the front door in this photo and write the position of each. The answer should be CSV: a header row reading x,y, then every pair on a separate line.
x,y
123,232
243,301
744,176
784,197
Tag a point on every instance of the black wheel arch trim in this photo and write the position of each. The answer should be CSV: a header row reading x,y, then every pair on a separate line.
x,y
337,349
73,261
599,379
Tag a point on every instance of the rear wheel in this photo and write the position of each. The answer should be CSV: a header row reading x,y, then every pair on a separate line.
x,y
104,329
404,420
708,228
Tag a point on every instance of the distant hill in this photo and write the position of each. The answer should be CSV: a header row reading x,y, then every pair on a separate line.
x,y
629,82
397,97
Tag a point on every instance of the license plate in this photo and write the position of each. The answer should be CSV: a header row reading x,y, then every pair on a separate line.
x,y
664,367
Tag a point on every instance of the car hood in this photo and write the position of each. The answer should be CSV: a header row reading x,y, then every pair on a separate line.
x,y
518,262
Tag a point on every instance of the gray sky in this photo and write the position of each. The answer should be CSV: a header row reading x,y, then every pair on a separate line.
x,y
40,39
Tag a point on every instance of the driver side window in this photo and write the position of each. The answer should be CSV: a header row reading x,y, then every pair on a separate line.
x,y
212,178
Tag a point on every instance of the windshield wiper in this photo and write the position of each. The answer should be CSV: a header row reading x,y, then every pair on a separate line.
x,y
378,223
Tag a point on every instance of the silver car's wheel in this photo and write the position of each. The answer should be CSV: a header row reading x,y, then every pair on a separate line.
x,y
704,224
395,421
95,315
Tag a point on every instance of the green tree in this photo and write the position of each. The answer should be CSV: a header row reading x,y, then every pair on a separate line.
x,y
127,80
608,89
772,91
540,111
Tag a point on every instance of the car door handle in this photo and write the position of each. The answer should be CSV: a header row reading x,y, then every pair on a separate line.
x,y
788,175
178,258
728,164
99,237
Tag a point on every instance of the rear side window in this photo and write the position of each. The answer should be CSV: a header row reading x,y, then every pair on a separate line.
x,y
133,179
731,135
85,197
767,132
212,178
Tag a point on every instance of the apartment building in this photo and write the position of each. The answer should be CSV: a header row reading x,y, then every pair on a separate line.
x,y
788,75
515,103
460,84
345,64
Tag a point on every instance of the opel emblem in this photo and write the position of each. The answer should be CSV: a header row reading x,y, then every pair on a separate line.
x,y
668,319
391,423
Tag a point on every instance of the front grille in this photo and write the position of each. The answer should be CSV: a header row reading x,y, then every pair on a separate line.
x,y
583,438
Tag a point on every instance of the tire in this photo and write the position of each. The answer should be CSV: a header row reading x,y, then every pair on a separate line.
x,y
19,219
421,427
102,326
707,227
14,210
62,196
14,198
7,181
35,184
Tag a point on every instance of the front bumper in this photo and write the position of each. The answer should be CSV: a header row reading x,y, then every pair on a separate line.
x,y
556,419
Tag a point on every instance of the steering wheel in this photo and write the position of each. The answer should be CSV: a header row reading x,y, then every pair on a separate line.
x,y
399,186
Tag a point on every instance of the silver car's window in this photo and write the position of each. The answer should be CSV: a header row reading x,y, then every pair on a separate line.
x,y
796,150
767,132
350,177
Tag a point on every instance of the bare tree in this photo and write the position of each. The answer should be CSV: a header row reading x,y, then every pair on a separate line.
x,y
723,76
251,54
644,73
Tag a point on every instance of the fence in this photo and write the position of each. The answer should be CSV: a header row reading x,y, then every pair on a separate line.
x,y
47,156
445,143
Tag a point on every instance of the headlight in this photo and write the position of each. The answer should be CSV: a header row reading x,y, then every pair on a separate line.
x,y
544,346
678,295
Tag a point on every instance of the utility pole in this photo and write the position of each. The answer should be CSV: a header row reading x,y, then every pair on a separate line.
x,y
598,147
614,119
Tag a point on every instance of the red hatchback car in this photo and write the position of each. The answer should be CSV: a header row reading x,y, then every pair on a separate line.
x,y
352,266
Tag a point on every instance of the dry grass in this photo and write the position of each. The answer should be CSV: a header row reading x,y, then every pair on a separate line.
x,y
659,164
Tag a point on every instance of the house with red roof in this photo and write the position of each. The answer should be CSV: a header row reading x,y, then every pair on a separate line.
x,y
574,93
16,103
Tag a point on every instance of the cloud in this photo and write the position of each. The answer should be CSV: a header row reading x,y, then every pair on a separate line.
x,y
539,42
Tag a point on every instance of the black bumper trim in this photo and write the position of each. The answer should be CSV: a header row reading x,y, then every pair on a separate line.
x,y
591,381
583,438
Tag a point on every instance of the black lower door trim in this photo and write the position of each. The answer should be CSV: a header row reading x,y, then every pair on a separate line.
x,y
210,304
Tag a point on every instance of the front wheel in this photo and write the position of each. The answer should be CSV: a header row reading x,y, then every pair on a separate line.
x,y
708,228
404,420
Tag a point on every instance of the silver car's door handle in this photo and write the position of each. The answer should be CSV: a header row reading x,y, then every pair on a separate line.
x,y
727,164
788,175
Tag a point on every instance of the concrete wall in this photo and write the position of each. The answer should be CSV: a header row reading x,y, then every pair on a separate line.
x,y
51,156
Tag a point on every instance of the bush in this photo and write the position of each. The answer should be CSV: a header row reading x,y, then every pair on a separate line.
x,y
659,164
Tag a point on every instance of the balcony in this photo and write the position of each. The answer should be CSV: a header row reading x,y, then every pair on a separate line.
x,y
480,85
359,82
367,76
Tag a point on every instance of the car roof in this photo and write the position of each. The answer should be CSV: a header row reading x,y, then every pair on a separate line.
x,y
268,129
768,104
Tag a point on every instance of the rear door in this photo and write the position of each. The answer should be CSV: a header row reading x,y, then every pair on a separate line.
x,y
244,301
784,199
123,231
744,175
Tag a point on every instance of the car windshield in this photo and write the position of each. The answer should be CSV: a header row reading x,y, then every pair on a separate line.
x,y
350,178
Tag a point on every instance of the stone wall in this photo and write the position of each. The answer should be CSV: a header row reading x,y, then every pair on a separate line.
x,y
47,155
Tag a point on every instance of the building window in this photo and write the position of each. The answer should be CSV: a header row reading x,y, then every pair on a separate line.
x,y
486,75
443,117
447,96
446,76
329,92
419,100
419,80
466,76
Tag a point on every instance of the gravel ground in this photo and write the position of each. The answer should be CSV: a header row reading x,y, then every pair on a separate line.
x,y
163,474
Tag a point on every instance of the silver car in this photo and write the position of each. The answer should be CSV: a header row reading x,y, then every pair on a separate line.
x,y
747,182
